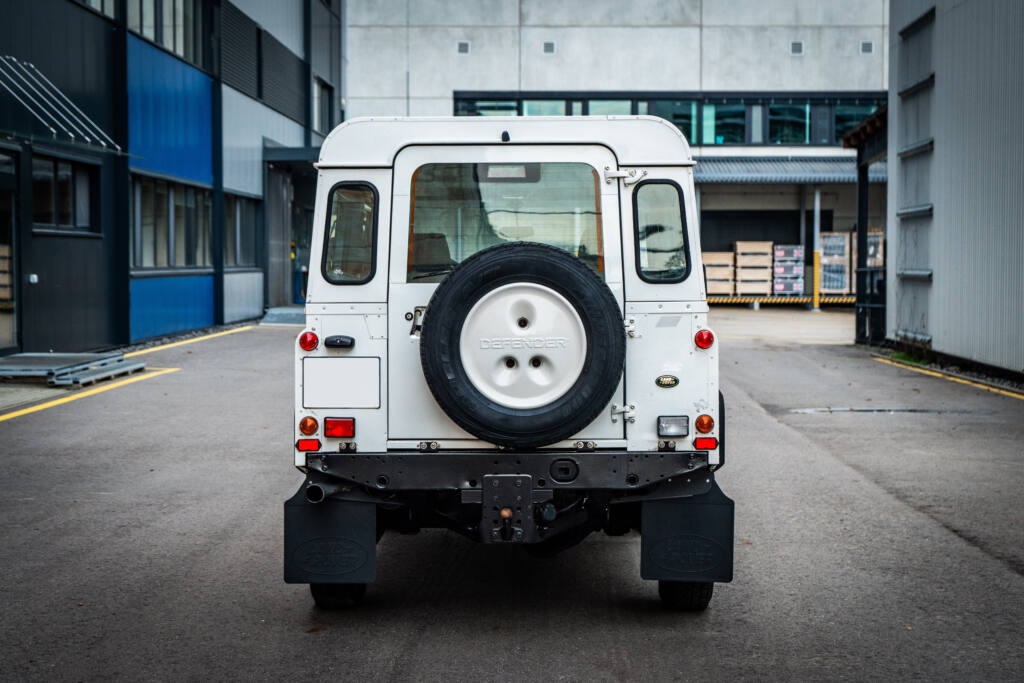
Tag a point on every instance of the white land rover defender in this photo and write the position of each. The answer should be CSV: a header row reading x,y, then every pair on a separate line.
x,y
506,336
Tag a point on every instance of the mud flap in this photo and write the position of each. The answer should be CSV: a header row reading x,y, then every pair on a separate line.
x,y
330,542
688,539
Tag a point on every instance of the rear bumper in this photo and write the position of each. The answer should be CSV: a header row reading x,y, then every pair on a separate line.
x,y
629,473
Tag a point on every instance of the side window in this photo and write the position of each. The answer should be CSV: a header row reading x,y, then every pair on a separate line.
x,y
661,248
351,235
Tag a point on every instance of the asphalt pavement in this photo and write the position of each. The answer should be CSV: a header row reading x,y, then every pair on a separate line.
x,y
141,538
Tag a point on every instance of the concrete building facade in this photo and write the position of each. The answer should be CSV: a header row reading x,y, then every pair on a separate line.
x,y
763,89
956,208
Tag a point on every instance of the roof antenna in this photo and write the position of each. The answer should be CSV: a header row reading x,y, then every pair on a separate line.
x,y
504,136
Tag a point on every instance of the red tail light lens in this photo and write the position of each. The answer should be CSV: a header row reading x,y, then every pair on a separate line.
x,y
308,341
705,443
704,339
339,427
308,444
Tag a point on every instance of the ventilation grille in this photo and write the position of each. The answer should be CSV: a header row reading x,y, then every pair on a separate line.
x,y
796,47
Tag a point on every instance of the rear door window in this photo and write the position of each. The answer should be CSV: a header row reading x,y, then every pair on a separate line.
x,y
459,209
351,236
661,248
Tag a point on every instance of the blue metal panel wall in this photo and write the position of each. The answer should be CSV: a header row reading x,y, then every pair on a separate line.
x,y
169,114
162,305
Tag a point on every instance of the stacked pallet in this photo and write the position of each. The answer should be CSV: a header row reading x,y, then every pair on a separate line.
x,y
718,267
876,254
835,263
6,277
788,270
754,268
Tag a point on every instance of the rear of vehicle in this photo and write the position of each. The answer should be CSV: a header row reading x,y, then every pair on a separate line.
x,y
507,337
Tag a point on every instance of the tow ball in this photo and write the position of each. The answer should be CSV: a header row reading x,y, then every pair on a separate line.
x,y
507,510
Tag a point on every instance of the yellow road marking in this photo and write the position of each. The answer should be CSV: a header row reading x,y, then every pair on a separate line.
x,y
152,372
187,341
932,373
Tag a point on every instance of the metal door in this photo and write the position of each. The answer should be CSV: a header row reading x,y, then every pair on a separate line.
x,y
412,412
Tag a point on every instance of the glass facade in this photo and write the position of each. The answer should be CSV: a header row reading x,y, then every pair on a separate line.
x,y
175,25
62,194
170,225
741,119
241,230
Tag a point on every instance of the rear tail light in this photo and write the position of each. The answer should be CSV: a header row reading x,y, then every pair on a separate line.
x,y
308,425
308,341
308,444
339,427
705,443
704,424
704,339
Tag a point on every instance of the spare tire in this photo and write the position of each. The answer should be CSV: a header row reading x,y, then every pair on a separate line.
x,y
522,345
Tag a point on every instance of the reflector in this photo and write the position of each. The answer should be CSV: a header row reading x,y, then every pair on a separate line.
x,y
308,444
339,427
308,341
705,443
704,339
704,424
308,425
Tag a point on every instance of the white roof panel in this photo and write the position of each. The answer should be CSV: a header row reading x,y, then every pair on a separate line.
x,y
635,140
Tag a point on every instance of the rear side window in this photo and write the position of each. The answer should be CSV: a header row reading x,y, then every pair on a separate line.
x,y
661,249
351,236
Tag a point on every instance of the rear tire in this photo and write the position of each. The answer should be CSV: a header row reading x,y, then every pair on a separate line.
x,y
685,596
334,596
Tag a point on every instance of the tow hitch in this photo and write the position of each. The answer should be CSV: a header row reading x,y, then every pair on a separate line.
x,y
507,510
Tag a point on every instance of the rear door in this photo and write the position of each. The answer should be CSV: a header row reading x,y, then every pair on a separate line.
x,y
452,201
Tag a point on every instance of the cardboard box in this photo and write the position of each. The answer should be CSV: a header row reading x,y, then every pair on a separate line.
x,y
759,260
718,258
755,274
754,287
835,245
720,287
753,247
835,279
719,272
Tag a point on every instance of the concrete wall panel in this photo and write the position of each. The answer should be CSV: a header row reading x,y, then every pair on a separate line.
x,y
376,61
611,59
437,69
604,13
793,12
464,13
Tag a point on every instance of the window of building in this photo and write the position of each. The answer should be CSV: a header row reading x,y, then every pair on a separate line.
x,y
543,107
849,115
240,231
349,257
62,194
108,7
660,231
608,107
789,124
323,95
486,108
724,124
176,25
170,225
462,208
682,113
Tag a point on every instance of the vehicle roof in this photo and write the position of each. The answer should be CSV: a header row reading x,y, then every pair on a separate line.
x,y
375,141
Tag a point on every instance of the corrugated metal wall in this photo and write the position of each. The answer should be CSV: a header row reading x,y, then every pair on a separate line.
x,y
973,243
246,124
169,114
163,305
243,296
283,18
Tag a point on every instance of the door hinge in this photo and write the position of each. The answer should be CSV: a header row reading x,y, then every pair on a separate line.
x,y
628,412
629,177
629,324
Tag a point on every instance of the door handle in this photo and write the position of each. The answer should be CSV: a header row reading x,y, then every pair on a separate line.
x,y
339,341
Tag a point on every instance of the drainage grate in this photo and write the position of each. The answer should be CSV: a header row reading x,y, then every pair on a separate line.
x,y
65,369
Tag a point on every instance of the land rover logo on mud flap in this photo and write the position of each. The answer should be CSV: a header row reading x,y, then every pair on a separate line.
x,y
667,381
687,553
330,556
524,343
